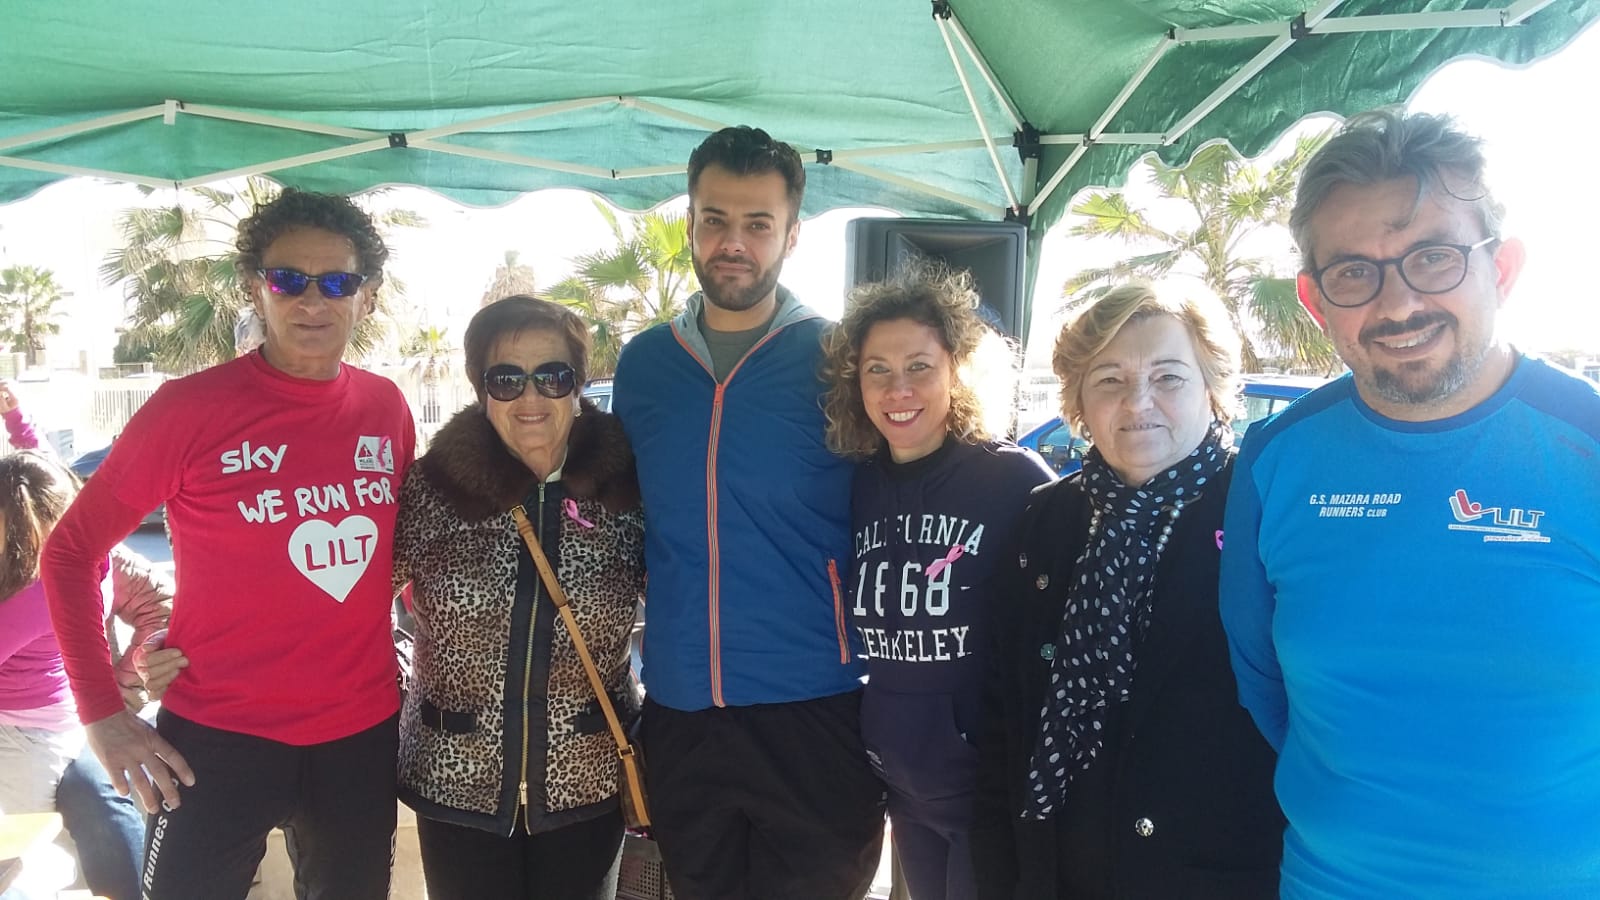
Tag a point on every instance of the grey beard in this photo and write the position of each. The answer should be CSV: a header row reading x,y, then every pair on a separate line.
x,y
1456,374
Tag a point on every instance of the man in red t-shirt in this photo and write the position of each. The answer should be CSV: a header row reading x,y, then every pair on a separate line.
x,y
279,471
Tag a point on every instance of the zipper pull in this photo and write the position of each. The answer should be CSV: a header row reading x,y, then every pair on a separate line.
x,y
522,792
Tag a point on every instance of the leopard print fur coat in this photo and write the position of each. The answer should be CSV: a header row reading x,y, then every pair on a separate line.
x,y
499,707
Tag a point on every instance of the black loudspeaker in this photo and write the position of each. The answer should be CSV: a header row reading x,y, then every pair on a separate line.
x,y
992,251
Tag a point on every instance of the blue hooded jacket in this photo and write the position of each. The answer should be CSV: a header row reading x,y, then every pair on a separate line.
x,y
747,516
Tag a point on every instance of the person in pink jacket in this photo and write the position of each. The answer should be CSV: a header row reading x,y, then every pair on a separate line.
x,y
39,731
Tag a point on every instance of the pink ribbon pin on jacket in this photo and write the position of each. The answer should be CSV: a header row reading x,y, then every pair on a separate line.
x,y
570,506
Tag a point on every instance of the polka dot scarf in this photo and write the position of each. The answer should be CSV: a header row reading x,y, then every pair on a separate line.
x,y
1108,610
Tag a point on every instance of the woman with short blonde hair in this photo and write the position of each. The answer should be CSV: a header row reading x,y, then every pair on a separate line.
x,y
1116,760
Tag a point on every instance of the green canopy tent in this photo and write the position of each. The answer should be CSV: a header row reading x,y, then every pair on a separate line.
x,y
977,109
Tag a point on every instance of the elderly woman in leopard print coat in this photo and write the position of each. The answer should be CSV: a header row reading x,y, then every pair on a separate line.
x,y
504,752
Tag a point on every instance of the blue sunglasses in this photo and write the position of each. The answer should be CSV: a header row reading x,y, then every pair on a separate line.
x,y
294,282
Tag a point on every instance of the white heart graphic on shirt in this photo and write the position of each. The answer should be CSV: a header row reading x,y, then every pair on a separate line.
x,y
334,557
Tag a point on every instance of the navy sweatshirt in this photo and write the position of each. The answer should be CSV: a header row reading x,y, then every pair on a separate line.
x,y
922,632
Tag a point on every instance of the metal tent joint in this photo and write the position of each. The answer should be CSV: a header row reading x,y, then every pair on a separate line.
x,y
1298,29
397,140
942,10
1020,215
824,157
1026,140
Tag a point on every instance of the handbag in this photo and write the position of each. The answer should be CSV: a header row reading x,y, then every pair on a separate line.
x,y
635,807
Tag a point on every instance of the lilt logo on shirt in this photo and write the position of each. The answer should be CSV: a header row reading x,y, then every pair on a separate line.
x,y
374,454
334,557
1509,524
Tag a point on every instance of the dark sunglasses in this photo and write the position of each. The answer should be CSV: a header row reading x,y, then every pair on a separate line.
x,y
506,382
294,282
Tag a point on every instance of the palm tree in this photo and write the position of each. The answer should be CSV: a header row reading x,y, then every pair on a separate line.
x,y
640,281
428,350
607,321
176,268
510,279
1230,201
28,296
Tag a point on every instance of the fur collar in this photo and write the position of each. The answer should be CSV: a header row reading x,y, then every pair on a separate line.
x,y
475,473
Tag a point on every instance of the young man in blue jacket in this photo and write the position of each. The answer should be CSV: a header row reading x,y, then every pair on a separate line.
x,y
1411,554
758,781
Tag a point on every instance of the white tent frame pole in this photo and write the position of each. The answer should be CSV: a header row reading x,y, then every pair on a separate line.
x,y
902,149
921,188
977,115
522,115
424,138
649,171
289,162
234,115
34,165
1096,132
61,131
989,78
1251,69
1522,9
531,162
1466,18
1227,89
1030,182
1056,179
1156,53
667,112
1514,14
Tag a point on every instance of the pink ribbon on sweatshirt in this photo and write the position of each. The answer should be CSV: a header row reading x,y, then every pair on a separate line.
x,y
938,565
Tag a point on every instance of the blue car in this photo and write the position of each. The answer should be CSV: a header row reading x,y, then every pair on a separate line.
x,y
1263,396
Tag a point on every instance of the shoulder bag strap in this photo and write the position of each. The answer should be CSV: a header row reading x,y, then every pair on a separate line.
x,y
559,597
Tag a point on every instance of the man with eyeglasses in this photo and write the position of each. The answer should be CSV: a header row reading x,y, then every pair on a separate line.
x,y
758,778
279,470
1411,554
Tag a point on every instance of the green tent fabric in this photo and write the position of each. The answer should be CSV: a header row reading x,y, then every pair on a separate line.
x,y
483,100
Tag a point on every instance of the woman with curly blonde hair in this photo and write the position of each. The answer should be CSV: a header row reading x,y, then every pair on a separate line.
x,y
933,506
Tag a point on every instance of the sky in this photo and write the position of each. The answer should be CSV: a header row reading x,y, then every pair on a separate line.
x,y
1537,142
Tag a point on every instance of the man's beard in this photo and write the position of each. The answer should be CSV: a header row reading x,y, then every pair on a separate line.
x,y
735,299
1456,373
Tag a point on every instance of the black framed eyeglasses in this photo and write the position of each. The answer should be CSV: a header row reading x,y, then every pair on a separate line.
x,y
506,382
294,282
1429,269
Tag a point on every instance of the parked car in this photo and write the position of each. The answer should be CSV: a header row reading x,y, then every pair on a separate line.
x,y
86,465
599,390
1263,396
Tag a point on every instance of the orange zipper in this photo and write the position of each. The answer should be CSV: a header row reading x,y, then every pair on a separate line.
x,y
838,611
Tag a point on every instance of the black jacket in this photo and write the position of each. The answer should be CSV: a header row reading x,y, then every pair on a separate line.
x,y
1179,802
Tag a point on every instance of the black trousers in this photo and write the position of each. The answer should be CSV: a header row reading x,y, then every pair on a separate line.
x,y
335,802
577,862
771,802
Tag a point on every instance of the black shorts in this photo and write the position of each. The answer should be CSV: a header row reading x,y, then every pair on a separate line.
x,y
774,801
335,802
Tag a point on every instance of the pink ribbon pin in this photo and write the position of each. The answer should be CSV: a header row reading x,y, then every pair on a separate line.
x,y
938,565
571,507
1219,538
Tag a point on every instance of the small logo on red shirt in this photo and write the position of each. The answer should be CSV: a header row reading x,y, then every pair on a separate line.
x,y
374,454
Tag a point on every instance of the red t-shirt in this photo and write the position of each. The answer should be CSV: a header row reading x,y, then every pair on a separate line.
x,y
281,496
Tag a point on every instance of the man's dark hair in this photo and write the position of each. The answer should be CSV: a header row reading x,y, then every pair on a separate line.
x,y
743,150
303,209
